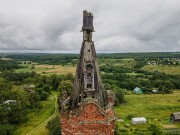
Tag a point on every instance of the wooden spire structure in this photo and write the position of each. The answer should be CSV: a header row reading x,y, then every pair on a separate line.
x,y
87,79
88,110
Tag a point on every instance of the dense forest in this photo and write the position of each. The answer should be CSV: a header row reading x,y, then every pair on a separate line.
x,y
8,65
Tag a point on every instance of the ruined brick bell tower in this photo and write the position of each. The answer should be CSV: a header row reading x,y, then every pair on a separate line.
x,y
88,109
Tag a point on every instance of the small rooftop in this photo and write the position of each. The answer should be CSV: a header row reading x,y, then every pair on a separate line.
x,y
176,115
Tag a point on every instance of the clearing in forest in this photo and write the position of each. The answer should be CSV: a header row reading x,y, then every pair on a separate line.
x,y
168,69
47,69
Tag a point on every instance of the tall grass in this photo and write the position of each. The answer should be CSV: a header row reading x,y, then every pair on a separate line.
x,y
156,108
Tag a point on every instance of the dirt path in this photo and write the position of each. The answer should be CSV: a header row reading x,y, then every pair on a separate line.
x,y
46,121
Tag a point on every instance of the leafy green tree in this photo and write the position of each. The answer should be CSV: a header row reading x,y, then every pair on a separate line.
x,y
116,130
120,98
34,99
44,79
46,88
155,129
5,87
163,89
107,86
54,126
139,63
66,86
29,80
44,95
16,112
169,85
124,85
69,76
6,129
132,85
8,65
55,81
39,90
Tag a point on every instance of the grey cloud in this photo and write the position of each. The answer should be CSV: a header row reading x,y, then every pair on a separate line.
x,y
121,26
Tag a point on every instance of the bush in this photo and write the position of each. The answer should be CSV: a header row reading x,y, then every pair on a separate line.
x,y
107,86
154,129
66,86
6,129
34,99
163,89
140,133
44,95
120,99
130,116
54,126
46,88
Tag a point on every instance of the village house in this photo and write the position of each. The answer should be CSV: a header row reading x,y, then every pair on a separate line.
x,y
139,120
137,90
154,91
175,117
9,103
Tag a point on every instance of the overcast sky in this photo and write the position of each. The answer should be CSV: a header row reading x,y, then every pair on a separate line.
x,y
120,25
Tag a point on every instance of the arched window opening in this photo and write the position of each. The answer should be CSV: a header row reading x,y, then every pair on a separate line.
x,y
89,73
89,80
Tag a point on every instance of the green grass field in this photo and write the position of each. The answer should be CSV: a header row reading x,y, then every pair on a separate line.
x,y
156,108
46,69
163,68
118,62
37,117
6,59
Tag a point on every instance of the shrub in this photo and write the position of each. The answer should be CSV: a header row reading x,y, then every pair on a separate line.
x,y
154,129
46,88
116,131
6,129
130,116
120,99
44,95
54,126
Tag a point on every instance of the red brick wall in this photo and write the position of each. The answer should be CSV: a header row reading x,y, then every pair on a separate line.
x,y
90,119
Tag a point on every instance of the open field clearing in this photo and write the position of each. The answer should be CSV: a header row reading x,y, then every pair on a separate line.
x,y
118,62
163,68
126,63
6,59
56,69
46,69
156,108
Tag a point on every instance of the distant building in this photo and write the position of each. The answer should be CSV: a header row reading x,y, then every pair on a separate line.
x,y
8,103
154,91
175,117
137,90
139,120
29,88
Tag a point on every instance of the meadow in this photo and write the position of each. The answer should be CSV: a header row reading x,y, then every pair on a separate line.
x,y
156,108
46,69
168,69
